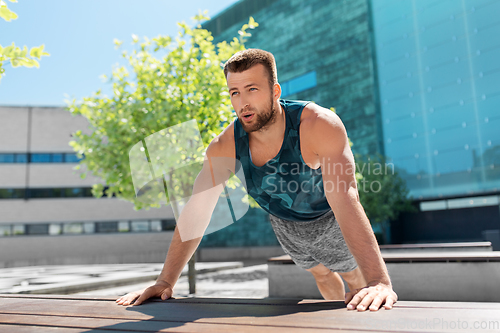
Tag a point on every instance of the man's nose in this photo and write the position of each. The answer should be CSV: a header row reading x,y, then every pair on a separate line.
x,y
245,103
244,106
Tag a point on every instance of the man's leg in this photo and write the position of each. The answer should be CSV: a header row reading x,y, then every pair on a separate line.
x,y
329,283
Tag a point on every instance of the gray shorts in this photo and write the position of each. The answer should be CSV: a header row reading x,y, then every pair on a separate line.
x,y
312,242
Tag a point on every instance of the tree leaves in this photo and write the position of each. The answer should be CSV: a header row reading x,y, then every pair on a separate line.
x,y
13,54
6,13
382,192
167,81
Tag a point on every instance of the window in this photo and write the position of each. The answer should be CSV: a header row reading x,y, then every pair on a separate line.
x,y
21,158
106,227
73,192
37,229
41,193
57,158
12,193
72,228
77,228
71,158
123,226
40,158
89,227
5,230
167,224
6,158
55,229
298,84
140,226
156,225
18,229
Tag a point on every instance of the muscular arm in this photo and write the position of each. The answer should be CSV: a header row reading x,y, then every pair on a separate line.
x,y
195,217
192,221
328,139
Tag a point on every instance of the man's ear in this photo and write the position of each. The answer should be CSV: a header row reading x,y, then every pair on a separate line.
x,y
276,91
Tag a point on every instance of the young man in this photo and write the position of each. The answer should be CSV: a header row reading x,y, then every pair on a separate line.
x,y
299,167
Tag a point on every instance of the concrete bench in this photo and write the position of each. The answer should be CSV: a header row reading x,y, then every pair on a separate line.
x,y
437,247
417,276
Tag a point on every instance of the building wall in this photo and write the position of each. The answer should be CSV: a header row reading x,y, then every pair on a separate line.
x,y
27,222
439,74
438,78
13,129
63,210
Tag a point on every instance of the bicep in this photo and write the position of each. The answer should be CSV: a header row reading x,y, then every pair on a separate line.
x,y
337,165
211,180
195,215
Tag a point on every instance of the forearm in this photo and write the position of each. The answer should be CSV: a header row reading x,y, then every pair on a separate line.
x,y
188,233
360,239
178,255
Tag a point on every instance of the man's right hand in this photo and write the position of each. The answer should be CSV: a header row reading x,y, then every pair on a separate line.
x,y
159,289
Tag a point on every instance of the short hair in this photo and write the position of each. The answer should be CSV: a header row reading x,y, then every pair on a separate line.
x,y
243,60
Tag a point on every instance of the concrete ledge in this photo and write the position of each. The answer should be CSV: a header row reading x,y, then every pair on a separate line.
x,y
113,248
238,253
437,247
452,276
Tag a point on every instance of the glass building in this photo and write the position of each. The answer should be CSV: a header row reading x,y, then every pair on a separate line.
x,y
439,83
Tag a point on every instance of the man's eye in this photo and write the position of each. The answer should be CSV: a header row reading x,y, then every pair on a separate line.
x,y
234,92
253,88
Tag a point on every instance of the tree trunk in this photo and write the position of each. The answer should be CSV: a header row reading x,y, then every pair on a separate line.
x,y
192,274
192,261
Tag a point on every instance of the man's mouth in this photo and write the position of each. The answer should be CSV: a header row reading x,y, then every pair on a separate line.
x,y
248,116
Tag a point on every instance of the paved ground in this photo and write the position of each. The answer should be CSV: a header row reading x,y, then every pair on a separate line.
x,y
245,282
218,279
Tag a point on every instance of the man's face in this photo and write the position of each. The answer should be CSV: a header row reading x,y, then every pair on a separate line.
x,y
252,98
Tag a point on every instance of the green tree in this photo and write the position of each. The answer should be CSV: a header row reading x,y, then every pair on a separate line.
x,y
14,55
382,192
172,81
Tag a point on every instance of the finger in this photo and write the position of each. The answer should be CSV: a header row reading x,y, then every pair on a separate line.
x,y
389,302
166,295
376,303
129,299
356,299
122,299
141,299
366,301
144,296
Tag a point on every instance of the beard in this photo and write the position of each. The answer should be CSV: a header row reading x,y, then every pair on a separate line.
x,y
262,119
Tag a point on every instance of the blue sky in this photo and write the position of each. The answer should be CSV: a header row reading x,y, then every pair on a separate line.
x,y
79,37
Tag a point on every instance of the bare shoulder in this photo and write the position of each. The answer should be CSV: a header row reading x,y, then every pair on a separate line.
x,y
319,124
223,144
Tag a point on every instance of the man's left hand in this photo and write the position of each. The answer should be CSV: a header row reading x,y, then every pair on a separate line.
x,y
372,296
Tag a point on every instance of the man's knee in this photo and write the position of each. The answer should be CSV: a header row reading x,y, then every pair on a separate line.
x,y
320,272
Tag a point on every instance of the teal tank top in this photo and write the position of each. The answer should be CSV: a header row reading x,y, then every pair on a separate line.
x,y
285,186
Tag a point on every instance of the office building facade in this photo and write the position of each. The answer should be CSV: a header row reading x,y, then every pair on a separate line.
x,y
48,214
